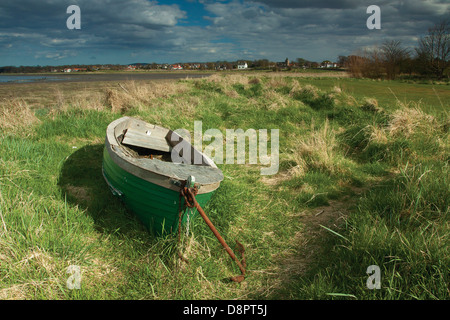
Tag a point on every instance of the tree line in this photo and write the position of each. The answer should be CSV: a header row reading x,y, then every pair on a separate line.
x,y
390,60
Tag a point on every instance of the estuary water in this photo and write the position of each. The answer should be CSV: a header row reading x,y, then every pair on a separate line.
x,y
84,77
24,79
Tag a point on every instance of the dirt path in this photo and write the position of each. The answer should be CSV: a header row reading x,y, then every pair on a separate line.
x,y
307,241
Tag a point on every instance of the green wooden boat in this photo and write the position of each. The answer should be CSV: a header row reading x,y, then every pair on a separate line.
x,y
138,168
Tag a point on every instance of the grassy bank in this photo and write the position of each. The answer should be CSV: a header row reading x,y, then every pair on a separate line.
x,y
363,181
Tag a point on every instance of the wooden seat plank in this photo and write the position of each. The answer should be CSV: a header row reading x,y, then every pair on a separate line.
x,y
141,139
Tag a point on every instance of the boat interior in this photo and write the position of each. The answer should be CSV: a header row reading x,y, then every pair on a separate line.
x,y
141,140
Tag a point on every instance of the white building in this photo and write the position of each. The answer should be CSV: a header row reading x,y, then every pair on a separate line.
x,y
242,65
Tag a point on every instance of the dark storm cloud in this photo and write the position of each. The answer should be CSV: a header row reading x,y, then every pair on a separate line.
x,y
103,22
36,30
319,29
31,14
50,13
151,30
333,4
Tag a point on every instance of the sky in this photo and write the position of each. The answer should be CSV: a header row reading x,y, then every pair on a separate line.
x,y
34,32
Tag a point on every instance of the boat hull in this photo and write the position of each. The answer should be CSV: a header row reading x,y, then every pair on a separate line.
x,y
157,207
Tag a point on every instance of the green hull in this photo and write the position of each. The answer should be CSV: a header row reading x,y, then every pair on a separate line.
x,y
155,206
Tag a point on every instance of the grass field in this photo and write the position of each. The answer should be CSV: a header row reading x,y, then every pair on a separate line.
x,y
363,180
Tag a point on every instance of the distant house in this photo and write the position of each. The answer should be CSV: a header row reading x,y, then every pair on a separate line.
x,y
177,67
242,65
328,64
67,70
131,67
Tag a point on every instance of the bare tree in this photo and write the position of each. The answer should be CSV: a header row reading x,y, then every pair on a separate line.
x,y
343,61
375,66
367,63
434,49
394,56
357,65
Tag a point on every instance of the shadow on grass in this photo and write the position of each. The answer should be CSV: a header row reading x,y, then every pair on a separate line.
x,y
83,185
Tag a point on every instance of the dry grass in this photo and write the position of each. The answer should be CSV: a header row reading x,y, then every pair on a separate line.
x,y
22,291
86,100
227,84
35,259
317,151
408,120
323,74
228,80
133,94
308,90
376,134
38,258
336,89
277,82
371,104
15,116
275,100
278,178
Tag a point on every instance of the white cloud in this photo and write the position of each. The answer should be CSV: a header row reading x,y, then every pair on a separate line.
x,y
58,55
140,12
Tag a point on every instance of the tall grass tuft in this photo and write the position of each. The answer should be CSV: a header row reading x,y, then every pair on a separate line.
x,y
16,116
409,120
318,152
142,96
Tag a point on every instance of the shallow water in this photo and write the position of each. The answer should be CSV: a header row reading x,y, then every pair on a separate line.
x,y
31,78
83,77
